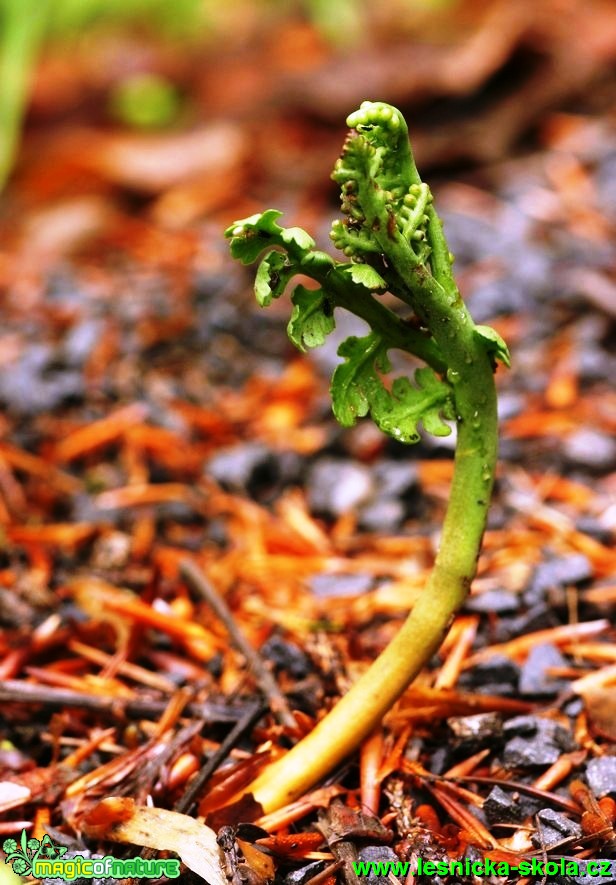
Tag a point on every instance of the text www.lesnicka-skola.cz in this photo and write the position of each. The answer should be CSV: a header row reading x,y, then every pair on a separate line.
x,y
533,866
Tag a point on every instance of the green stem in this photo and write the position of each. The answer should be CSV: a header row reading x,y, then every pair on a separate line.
x,y
398,333
377,690
356,299
362,708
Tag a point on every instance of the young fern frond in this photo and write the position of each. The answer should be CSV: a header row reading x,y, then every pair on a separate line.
x,y
395,241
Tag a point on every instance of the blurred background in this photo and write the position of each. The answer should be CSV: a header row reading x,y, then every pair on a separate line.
x,y
477,79
133,131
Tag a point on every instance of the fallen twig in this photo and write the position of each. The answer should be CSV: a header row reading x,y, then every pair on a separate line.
x,y
250,717
200,584
15,691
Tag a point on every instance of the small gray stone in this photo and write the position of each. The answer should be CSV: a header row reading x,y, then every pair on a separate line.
x,y
377,854
520,753
304,874
558,572
80,341
382,515
554,827
287,656
33,384
498,675
324,586
235,465
539,616
528,726
336,486
500,808
534,741
590,448
535,679
395,478
601,776
498,601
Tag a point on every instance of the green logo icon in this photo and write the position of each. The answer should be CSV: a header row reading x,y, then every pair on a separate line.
x,y
24,854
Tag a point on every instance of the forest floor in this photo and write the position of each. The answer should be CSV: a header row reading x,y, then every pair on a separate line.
x,y
154,417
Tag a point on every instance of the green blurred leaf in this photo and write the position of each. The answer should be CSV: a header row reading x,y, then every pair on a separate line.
x,y
182,18
312,319
22,27
145,101
342,22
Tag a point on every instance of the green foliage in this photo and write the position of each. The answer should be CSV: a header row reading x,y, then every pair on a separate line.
x,y
381,190
272,277
173,19
250,236
145,101
312,319
357,389
395,242
342,22
364,275
493,344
